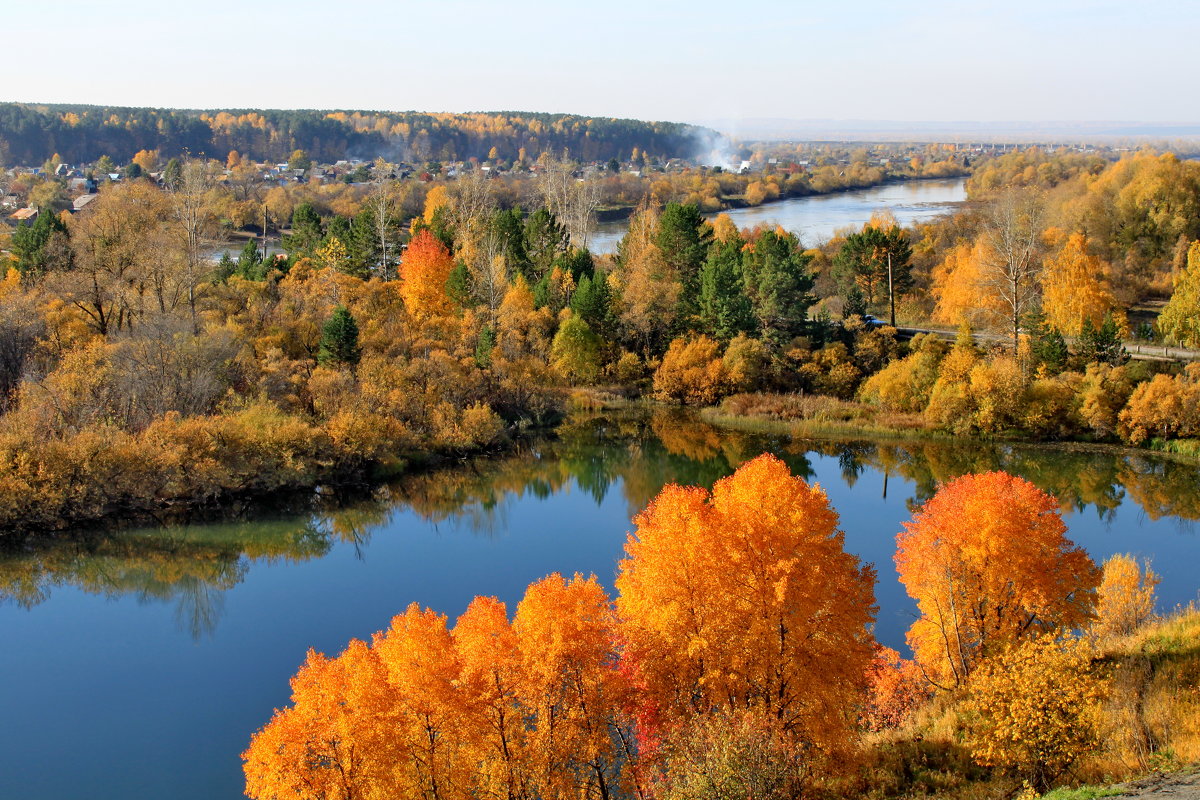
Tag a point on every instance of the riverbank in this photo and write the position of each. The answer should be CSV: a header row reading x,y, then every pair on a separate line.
x,y
820,417
196,468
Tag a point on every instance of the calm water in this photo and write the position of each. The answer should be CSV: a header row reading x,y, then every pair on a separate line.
x,y
816,219
137,666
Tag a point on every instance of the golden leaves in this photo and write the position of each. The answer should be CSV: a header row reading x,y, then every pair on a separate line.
x,y
988,563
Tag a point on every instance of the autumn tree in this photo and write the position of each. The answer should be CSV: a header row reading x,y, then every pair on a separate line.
x,y
1010,261
649,290
692,371
299,159
575,351
571,693
1126,595
989,564
424,271
195,222
146,159
330,742
958,289
424,674
120,263
1180,320
573,202
744,598
1074,287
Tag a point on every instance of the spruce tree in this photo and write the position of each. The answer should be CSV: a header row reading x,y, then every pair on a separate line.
x,y
1102,345
684,239
724,307
339,340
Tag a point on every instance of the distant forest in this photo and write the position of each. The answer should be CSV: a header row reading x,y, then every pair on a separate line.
x,y
32,133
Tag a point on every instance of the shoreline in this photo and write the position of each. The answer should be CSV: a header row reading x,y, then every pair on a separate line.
x,y
734,202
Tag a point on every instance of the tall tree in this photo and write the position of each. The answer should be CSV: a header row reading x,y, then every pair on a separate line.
x,y
425,271
684,237
988,562
649,290
724,308
775,272
877,260
745,598
1010,262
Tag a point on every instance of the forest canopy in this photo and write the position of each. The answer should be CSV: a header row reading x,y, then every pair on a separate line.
x,y
81,133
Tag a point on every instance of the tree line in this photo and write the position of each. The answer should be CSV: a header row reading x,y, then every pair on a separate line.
x,y
33,133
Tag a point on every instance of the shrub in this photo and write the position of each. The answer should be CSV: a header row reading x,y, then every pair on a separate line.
x,y
1034,708
692,372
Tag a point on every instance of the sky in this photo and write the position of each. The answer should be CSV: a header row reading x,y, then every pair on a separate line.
x,y
932,60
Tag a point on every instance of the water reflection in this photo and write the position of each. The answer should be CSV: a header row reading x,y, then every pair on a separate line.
x,y
635,454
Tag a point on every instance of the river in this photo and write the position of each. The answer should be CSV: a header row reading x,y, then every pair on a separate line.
x,y
817,218
137,665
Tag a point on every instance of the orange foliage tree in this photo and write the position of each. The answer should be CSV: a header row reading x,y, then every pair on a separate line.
x,y
745,598
531,709
424,271
988,562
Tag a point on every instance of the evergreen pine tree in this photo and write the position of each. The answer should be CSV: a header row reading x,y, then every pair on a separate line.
x,y
458,286
855,304
1102,345
592,303
339,340
724,307
684,239
1047,346
777,280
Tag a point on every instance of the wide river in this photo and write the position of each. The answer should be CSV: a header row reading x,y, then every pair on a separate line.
x,y
816,219
136,666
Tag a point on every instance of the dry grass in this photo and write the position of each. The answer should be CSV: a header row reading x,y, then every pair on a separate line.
x,y
812,416
1152,719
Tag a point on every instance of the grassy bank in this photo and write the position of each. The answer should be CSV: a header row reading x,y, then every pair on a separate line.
x,y
1149,723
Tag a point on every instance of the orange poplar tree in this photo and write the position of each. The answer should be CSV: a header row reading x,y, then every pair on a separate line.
x,y
569,688
989,564
329,743
429,705
424,271
745,598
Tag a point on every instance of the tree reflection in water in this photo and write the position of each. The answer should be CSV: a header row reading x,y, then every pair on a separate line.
x,y
635,453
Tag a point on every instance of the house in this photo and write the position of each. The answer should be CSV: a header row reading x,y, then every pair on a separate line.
x,y
81,202
24,215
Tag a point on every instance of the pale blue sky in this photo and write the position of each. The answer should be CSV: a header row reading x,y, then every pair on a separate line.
x,y
664,59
